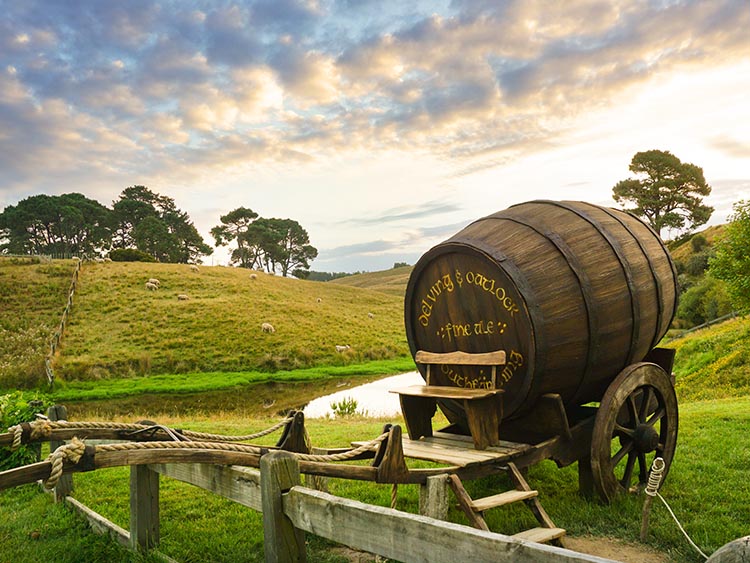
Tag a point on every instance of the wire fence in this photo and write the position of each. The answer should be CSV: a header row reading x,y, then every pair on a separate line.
x,y
58,334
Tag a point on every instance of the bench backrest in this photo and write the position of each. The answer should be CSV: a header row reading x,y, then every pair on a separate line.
x,y
494,359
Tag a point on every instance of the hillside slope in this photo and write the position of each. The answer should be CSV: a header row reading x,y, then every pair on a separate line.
x,y
33,295
120,328
391,281
714,362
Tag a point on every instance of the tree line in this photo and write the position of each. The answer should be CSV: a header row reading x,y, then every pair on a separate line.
x,y
144,225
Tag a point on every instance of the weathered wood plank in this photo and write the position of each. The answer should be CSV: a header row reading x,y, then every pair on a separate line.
x,y
540,535
144,508
496,358
429,541
433,497
282,541
239,484
501,499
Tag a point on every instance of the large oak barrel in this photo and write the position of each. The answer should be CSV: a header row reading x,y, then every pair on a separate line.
x,y
573,292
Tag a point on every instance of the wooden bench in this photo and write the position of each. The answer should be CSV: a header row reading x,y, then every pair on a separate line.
x,y
483,407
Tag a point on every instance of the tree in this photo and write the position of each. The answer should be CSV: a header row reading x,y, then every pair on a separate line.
x,y
668,193
234,227
64,225
152,223
731,260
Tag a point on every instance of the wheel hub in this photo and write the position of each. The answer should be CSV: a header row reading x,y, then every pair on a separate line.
x,y
646,438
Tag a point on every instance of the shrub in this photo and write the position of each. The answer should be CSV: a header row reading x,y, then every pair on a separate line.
x,y
15,408
703,302
345,407
698,242
130,255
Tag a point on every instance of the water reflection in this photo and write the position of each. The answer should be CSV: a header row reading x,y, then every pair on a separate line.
x,y
373,398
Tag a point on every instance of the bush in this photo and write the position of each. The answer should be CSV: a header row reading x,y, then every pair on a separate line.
x,y
697,264
698,242
15,408
703,302
130,255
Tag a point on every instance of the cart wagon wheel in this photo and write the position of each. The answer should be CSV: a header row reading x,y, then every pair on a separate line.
x,y
636,422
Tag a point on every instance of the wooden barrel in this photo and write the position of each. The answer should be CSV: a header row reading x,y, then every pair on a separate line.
x,y
573,293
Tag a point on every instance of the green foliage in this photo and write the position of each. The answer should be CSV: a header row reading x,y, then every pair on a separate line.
x,y
276,245
698,263
130,255
731,261
15,408
61,226
153,224
668,193
698,242
705,301
345,407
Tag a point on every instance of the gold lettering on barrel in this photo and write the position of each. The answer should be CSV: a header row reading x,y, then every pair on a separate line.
x,y
452,331
443,283
513,361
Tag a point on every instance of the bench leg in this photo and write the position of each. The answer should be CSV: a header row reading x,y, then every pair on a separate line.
x,y
418,413
483,417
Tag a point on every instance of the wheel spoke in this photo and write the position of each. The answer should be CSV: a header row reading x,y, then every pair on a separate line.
x,y
643,468
617,458
628,475
657,416
633,410
623,431
645,400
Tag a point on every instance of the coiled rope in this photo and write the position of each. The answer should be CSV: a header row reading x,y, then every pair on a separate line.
x,y
652,490
72,452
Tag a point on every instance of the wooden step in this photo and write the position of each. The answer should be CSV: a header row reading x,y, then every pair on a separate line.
x,y
482,504
540,535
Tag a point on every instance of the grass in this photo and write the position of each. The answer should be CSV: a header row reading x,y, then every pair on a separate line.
x,y
706,488
33,295
391,281
714,363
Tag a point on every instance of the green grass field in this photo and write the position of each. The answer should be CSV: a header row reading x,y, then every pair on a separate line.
x,y
127,344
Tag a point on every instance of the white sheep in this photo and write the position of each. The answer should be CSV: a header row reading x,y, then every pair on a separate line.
x,y
182,297
151,286
253,276
154,281
343,348
267,327
319,300
194,268
370,315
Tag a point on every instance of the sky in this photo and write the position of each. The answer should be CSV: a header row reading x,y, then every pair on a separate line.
x,y
381,126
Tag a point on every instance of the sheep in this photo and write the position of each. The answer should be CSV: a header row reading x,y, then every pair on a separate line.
x,y
194,268
154,281
253,276
343,348
319,300
182,297
267,327
151,286
370,315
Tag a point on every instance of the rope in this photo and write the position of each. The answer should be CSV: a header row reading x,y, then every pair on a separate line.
x,y
72,452
652,490
43,428
343,456
394,494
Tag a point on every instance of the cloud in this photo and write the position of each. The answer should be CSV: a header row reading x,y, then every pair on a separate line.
x,y
395,214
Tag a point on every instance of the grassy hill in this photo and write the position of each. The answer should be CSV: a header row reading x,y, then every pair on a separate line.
x,y
118,328
33,295
391,281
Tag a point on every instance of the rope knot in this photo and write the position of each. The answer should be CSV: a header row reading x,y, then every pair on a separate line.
x,y
69,452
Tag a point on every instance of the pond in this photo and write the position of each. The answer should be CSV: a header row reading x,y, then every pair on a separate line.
x,y
373,399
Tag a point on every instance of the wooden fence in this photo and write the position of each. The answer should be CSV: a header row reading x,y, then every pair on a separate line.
x,y
58,334
291,510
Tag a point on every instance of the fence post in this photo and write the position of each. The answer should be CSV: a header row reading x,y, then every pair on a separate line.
x,y
65,483
144,507
282,542
433,497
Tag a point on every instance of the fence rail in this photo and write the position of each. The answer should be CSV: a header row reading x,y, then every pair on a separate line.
x,y
290,511
58,334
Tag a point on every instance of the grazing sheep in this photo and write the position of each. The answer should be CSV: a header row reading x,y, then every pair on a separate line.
x,y
182,297
194,268
154,281
267,327
370,315
151,286
253,276
320,300
343,348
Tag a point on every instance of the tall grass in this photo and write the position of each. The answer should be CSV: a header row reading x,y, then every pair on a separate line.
x,y
32,298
